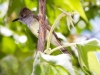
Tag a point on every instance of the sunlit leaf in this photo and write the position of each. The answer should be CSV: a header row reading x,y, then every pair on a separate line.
x,y
31,3
76,5
1,1
57,65
88,57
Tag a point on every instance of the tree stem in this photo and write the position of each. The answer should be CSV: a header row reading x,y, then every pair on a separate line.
x,y
42,28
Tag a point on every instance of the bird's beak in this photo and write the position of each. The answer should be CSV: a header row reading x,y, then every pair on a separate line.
x,y
15,19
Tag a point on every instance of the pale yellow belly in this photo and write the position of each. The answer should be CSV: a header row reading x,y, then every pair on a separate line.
x,y
34,29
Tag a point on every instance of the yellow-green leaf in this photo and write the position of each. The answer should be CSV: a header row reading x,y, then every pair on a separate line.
x,y
76,5
88,56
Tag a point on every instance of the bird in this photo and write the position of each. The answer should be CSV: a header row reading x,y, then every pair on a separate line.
x,y
27,17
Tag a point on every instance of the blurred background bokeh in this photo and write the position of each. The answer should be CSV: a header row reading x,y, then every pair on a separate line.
x,y
18,44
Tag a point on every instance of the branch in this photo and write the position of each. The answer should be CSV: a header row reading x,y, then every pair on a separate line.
x,y
42,28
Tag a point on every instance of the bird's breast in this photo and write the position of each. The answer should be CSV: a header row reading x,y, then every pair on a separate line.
x,y
34,27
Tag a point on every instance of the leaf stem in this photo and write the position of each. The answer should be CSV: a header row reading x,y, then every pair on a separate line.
x,y
66,45
52,29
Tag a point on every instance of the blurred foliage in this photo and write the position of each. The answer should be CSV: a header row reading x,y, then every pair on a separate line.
x,y
18,44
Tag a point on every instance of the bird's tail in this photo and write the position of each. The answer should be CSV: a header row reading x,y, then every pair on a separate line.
x,y
55,41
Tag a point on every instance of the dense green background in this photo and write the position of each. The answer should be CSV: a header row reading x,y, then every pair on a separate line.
x,y
16,56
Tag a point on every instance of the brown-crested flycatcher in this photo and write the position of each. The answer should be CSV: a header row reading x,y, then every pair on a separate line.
x,y
27,17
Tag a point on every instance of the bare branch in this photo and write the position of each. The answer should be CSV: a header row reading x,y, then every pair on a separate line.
x,y
42,28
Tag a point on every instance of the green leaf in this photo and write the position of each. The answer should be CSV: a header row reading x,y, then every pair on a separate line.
x,y
8,45
52,65
2,1
88,56
9,65
15,5
76,5
31,3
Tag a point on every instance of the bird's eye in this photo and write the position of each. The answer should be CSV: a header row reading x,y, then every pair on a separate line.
x,y
23,16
